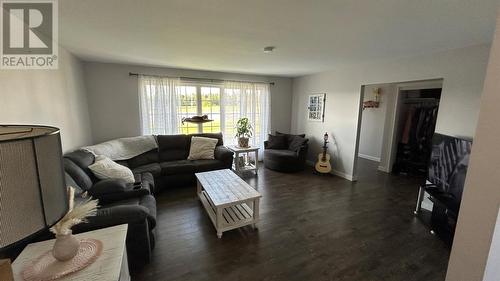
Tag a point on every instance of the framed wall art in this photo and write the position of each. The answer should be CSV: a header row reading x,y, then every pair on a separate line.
x,y
316,107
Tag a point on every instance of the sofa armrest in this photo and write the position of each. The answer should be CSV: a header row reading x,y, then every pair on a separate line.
x,y
302,151
108,186
112,190
140,239
114,215
223,153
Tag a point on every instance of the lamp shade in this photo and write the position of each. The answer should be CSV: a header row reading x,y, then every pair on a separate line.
x,y
33,193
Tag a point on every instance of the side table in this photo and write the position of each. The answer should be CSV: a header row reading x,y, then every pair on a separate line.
x,y
112,265
245,165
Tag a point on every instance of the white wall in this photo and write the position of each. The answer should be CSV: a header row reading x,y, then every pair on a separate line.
x,y
48,97
481,196
114,100
492,270
463,71
372,123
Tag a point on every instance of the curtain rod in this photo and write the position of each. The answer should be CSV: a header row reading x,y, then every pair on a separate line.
x,y
200,79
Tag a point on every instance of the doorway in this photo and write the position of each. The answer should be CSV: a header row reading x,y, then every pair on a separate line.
x,y
395,126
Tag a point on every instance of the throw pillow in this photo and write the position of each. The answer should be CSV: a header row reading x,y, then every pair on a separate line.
x,y
296,142
202,148
276,142
289,137
105,168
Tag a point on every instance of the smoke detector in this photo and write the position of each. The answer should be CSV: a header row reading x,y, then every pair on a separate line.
x,y
269,49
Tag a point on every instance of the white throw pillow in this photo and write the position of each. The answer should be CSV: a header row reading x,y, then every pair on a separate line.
x,y
202,148
105,168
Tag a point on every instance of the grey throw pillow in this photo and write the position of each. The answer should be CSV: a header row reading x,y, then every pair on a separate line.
x,y
276,142
296,143
289,137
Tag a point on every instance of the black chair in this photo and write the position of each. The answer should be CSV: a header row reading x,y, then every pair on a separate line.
x,y
289,158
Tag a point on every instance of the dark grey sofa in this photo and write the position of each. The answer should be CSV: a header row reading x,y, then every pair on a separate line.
x,y
119,204
291,158
169,165
157,170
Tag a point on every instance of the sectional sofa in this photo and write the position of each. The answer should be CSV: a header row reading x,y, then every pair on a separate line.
x,y
156,170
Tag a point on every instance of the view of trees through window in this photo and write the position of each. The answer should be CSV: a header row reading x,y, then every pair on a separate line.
x,y
164,103
200,100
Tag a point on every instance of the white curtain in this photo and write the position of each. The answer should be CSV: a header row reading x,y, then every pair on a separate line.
x,y
158,97
245,99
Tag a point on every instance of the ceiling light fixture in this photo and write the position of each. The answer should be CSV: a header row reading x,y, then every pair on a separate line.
x,y
269,49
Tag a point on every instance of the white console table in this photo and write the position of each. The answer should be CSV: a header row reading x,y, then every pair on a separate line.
x,y
112,265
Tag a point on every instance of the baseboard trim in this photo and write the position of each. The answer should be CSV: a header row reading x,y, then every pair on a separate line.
x,y
343,175
383,169
334,172
364,156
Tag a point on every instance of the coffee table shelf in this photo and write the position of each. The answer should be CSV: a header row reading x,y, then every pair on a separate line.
x,y
229,201
233,216
245,153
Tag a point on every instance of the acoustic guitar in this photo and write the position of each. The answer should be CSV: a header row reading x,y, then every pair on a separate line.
x,y
323,165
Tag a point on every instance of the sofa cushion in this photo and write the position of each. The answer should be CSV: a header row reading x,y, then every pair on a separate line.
x,y
177,167
289,137
124,210
202,148
173,147
77,174
122,162
208,165
147,181
153,168
281,153
144,159
276,142
70,182
223,154
83,159
149,203
296,142
105,168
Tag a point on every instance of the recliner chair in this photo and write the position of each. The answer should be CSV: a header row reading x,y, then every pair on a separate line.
x,y
120,203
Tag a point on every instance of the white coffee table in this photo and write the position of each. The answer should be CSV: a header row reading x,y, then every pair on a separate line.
x,y
229,201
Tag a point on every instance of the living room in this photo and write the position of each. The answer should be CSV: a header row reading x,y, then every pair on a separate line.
x,y
233,140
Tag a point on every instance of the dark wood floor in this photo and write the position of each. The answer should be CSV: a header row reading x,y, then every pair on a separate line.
x,y
312,228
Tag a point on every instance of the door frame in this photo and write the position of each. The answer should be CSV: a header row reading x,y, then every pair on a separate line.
x,y
391,151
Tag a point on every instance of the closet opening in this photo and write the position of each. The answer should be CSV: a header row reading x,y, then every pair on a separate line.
x,y
395,127
416,124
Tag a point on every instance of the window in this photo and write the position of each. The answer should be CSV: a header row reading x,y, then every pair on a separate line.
x,y
188,106
165,101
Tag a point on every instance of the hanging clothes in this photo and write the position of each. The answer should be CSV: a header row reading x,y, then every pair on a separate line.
x,y
415,146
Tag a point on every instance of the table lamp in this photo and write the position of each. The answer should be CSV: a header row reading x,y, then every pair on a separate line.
x,y
33,193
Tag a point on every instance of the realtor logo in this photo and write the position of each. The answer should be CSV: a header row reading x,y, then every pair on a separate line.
x,y
29,34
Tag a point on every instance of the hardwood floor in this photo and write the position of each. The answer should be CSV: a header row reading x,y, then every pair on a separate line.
x,y
312,228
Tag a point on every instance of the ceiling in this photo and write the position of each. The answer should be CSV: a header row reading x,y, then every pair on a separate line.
x,y
229,35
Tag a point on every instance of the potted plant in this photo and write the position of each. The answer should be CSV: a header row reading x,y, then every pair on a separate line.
x,y
243,131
